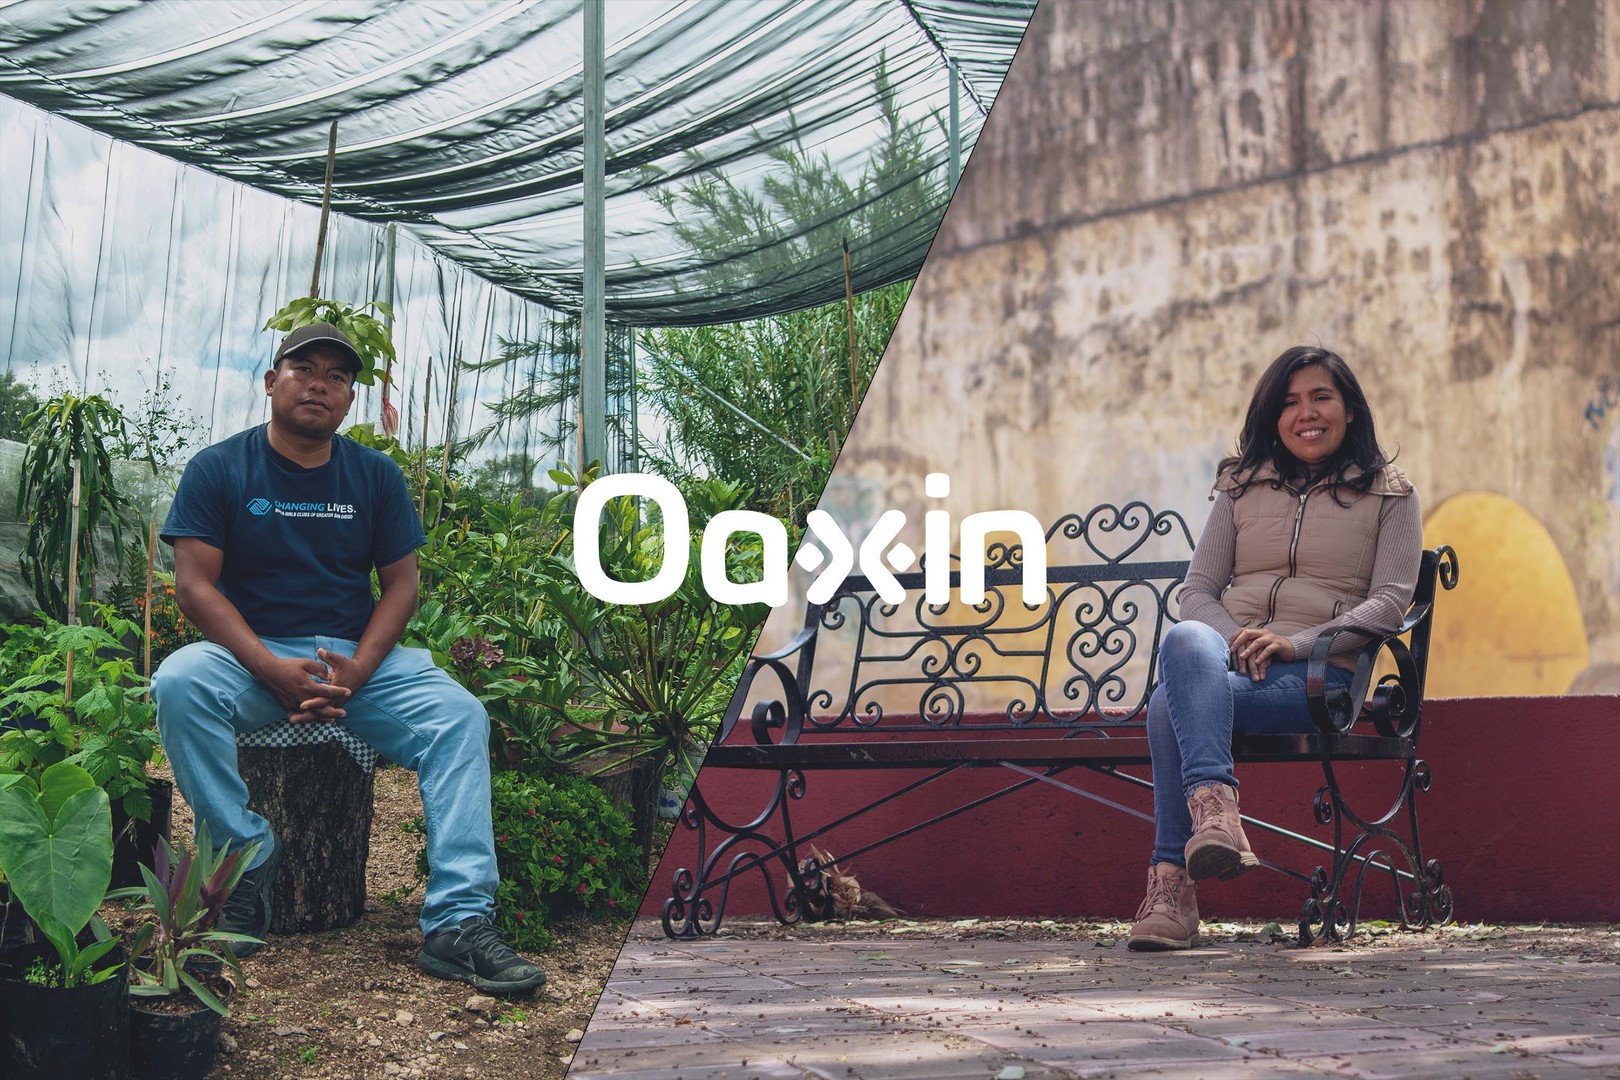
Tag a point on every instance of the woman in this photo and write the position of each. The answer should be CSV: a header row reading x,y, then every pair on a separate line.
x,y
1313,529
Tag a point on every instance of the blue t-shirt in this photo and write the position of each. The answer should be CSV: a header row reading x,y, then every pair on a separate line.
x,y
299,543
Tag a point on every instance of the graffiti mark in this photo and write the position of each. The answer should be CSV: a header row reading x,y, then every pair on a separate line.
x,y
1608,397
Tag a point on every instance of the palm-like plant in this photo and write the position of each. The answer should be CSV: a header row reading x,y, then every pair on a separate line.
x,y
63,432
664,669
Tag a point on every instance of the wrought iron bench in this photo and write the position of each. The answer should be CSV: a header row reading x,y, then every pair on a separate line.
x,y
1040,691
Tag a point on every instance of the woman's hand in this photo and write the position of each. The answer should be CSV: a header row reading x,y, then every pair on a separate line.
x,y
1255,648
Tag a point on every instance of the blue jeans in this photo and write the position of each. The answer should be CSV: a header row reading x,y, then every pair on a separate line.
x,y
1193,714
410,711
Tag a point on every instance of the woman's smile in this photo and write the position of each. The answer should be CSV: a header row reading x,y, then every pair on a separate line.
x,y
1314,418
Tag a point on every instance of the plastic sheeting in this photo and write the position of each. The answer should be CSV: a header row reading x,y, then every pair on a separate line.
x,y
463,122
120,269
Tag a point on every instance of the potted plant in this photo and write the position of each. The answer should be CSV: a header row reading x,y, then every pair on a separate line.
x,y
108,727
177,986
62,1011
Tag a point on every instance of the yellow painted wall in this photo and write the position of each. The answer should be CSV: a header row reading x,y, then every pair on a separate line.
x,y
1513,624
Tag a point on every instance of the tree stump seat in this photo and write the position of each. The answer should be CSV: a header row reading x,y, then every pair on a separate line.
x,y
313,783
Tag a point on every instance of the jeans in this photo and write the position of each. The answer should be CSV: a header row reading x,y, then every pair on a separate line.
x,y
1193,714
410,712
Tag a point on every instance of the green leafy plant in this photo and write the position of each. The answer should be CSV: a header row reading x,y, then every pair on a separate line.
x,y
663,670
65,431
17,401
370,336
56,848
487,623
108,728
185,893
562,847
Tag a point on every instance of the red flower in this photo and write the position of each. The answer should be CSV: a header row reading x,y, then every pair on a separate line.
x,y
612,902
592,860
557,859
520,916
502,838
582,888
531,811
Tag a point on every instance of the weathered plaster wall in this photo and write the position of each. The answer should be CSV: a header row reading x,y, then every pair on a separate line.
x,y
1168,195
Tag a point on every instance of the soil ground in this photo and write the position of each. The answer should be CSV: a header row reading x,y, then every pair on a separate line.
x,y
351,1002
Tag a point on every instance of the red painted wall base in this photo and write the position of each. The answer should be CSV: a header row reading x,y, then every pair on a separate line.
x,y
1522,814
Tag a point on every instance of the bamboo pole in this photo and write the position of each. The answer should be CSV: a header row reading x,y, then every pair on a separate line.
x,y
444,465
450,417
146,632
73,577
427,411
326,211
854,362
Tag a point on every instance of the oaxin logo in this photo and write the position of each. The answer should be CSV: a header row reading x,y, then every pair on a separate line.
x,y
259,507
876,555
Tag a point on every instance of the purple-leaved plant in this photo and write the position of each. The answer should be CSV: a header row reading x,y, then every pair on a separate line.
x,y
185,892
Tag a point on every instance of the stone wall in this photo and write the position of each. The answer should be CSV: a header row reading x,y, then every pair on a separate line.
x,y
1168,195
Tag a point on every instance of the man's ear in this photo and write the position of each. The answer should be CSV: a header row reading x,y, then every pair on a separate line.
x,y
269,380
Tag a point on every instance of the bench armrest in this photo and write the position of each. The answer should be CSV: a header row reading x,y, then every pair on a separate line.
x,y
1395,702
787,712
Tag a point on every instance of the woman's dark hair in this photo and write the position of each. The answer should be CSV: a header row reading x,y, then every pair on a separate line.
x,y
1259,443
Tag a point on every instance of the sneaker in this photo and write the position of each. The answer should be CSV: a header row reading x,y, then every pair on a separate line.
x,y
247,909
1168,917
1218,848
474,952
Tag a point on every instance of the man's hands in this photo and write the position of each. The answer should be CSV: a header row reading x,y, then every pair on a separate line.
x,y
314,690
1253,649
292,682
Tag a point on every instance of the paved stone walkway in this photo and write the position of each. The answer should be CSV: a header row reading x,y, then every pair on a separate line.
x,y
972,999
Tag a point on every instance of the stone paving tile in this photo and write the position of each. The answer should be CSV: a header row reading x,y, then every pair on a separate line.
x,y
1206,1003
893,1009
871,1055
1237,1025
1585,1051
1474,1023
1086,1044
996,1008
1449,1064
1244,1069
1336,1039
620,1066
602,1037
729,982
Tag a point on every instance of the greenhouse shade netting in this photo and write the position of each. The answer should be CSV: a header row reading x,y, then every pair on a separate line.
x,y
745,143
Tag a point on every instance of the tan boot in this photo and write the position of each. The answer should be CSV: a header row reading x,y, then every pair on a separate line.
x,y
1168,917
1218,847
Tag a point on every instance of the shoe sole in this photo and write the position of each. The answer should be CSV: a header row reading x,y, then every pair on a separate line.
x,y
1150,943
443,969
273,865
1218,860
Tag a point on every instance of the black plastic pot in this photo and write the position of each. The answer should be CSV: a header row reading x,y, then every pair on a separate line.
x,y
16,928
134,840
53,1034
172,1046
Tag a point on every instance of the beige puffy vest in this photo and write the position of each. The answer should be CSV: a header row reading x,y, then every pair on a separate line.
x,y
1301,558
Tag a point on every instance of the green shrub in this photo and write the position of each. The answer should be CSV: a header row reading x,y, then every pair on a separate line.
x,y
562,847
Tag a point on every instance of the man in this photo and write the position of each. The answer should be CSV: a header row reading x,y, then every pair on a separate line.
x,y
275,534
